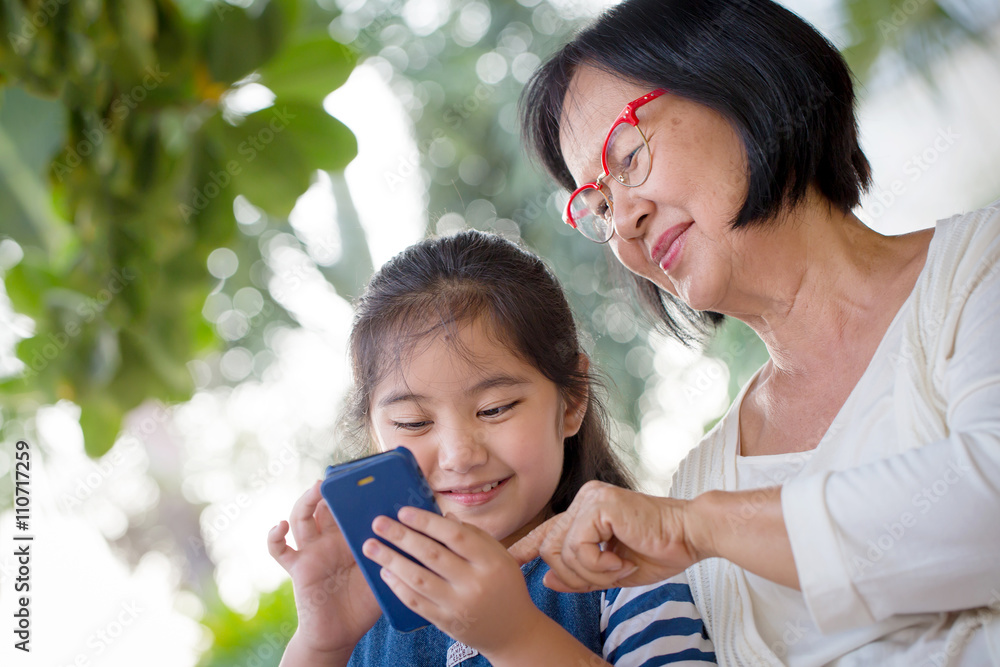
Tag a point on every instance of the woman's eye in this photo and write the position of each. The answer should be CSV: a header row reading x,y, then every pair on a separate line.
x,y
497,411
627,161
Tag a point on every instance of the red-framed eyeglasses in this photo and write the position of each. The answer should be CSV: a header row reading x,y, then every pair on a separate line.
x,y
626,157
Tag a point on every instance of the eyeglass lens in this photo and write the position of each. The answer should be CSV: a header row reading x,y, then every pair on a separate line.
x,y
628,161
591,212
627,155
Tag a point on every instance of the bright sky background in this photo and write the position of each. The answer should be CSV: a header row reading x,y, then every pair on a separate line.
x,y
90,609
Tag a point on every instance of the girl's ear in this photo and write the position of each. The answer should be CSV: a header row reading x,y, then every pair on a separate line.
x,y
576,410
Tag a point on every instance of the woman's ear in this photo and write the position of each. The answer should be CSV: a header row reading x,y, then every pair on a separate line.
x,y
576,409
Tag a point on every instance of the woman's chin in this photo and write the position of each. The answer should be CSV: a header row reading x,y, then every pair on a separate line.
x,y
697,299
694,293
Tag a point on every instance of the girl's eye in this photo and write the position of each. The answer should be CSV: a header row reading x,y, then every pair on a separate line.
x,y
497,411
410,426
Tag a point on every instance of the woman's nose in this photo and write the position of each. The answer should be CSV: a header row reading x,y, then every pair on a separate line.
x,y
460,451
628,210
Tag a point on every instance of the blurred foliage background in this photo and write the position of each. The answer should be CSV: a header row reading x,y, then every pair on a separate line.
x,y
152,151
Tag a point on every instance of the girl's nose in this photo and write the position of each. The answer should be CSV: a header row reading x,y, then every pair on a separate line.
x,y
461,451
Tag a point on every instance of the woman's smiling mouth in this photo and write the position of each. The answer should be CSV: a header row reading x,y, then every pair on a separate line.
x,y
669,246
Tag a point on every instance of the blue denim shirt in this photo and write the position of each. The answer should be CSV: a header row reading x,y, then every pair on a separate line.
x,y
579,613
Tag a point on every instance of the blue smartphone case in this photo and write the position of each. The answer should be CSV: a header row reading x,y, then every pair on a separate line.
x,y
361,490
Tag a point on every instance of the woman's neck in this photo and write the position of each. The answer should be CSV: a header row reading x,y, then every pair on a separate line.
x,y
826,284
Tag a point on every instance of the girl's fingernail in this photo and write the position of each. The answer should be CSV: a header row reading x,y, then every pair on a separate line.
x,y
387,576
370,548
407,514
630,571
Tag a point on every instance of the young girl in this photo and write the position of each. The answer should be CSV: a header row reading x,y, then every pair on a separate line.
x,y
464,350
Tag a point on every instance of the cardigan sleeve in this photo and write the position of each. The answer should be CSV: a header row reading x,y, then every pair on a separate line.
x,y
918,531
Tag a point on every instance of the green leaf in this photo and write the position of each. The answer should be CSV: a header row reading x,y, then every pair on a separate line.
x,y
165,376
236,636
31,131
262,161
323,141
309,69
36,127
138,28
100,419
235,43
28,283
349,275
272,155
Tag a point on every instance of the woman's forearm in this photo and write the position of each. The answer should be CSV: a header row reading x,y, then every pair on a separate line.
x,y
746,528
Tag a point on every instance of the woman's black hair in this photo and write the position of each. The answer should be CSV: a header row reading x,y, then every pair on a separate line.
x,y
784,88
440,283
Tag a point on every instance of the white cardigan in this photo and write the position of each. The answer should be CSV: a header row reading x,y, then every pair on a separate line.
x,y
851,492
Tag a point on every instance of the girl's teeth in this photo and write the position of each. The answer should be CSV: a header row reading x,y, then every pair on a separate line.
x,y
487,487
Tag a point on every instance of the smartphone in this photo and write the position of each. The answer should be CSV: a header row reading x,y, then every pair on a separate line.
x,y
359,491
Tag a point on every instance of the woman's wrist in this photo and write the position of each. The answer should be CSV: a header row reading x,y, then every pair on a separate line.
x,y
746,528
702,515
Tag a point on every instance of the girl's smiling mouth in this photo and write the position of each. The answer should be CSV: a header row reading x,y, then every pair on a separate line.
x,y
475,495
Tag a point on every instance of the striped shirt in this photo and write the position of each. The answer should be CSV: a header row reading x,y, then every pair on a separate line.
x,y
658,624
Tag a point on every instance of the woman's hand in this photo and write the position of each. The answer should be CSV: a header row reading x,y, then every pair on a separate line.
x,y
612,537
469,587
335,604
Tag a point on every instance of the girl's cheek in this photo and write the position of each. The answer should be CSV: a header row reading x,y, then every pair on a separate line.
x,y
379,441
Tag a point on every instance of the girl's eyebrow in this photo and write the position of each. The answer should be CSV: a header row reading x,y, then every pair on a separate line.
x,y
500,380
492,382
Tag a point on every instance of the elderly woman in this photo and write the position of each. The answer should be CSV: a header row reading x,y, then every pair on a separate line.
x,y
847,507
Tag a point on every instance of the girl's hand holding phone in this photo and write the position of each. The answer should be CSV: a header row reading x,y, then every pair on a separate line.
x,y
470,587
334,603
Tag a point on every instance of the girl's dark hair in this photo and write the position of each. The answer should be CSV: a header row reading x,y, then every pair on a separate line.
x,y
782,86
439,283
